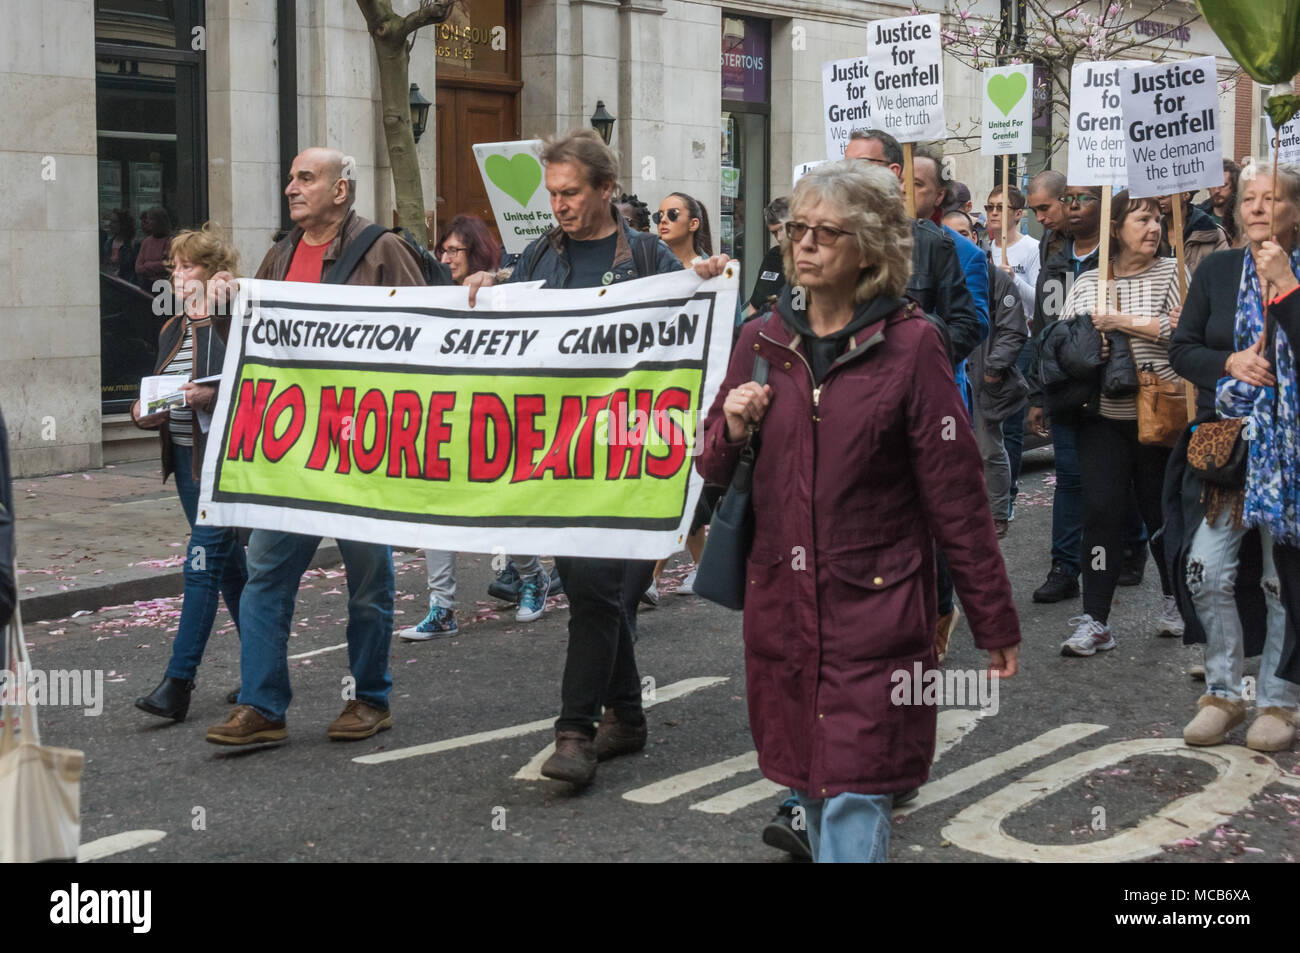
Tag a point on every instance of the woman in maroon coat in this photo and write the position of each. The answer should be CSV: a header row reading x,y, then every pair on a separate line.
x,y
867,461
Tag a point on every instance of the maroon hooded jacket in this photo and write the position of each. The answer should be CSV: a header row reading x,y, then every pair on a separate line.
x,y
856,481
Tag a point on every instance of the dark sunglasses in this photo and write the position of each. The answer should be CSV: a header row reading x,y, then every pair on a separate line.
x,y
673,215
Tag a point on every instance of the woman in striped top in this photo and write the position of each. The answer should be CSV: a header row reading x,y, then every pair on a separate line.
x,y
192,343
1111,459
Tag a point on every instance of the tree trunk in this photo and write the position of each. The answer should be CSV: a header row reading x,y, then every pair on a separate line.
x,y
390,34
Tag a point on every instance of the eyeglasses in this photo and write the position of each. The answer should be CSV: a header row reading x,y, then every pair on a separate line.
x,y
453,250
822,234
1082,201
876,161
673,215
990,209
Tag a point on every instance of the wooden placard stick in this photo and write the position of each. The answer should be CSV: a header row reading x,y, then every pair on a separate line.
x,y
1180,253
1103,254
1006,187
909,181
1176,232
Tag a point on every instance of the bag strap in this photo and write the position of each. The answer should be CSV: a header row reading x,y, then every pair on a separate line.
x,y
20,662
353,254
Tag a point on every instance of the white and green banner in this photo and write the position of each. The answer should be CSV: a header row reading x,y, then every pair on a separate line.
x,y
558,422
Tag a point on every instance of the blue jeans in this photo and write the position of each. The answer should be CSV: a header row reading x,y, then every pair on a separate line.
x,y
848,828
276,562
214,565
1212,579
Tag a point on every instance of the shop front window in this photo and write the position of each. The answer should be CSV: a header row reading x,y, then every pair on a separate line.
x,y
746,86
152,167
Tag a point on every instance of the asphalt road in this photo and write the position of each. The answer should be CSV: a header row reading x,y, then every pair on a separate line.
x,y
1080,761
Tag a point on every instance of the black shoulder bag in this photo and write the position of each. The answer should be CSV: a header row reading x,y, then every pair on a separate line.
x,y
720,577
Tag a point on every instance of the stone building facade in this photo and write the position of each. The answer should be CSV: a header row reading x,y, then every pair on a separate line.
x,y
138,104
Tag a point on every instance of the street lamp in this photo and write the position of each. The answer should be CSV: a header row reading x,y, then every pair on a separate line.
x,y
419,111
602,121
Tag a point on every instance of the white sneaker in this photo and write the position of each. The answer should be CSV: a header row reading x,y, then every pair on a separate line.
x,y
1171,620
1090,637
688,585
650,597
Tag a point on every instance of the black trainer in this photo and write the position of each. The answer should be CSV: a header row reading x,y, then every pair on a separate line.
x,y
1061,584
1135,564
781,834
506,585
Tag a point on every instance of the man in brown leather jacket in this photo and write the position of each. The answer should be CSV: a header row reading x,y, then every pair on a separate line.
x,y
321,191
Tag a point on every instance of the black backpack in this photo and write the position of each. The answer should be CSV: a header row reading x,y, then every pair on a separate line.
x,y
434,271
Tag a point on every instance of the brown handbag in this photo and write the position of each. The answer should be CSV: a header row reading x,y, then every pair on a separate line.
x,y
1161,409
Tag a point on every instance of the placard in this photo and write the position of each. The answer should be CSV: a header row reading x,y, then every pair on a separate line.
x,y
552,421
512,174
1097,125
1008,112
1290,150
802,169
1171,127
845,87
906,60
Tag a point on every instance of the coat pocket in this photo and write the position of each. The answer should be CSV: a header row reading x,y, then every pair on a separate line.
x,y
769,623
874,603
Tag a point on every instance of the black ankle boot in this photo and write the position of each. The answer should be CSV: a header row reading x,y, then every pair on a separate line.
x,y
171,699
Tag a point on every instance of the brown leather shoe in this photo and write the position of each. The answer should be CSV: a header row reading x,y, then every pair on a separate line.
x,y
359,721
614,737
246,726
574,759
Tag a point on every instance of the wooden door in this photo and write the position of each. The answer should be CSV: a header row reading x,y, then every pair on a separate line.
x,y
466,116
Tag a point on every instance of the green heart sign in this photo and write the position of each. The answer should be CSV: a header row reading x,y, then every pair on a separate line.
x,y
1264,37
1007,89
518,177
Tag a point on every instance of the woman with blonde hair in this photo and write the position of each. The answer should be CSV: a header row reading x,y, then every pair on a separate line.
x,y
193,344
864,467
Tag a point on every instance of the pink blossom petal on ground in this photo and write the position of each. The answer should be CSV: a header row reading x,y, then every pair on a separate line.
x,y
332,592
1187,842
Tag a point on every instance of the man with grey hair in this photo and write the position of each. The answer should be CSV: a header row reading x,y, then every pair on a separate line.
x,y
771,274
322,248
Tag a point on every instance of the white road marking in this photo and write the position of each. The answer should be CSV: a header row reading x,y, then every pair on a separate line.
x,y
688,781
329,648
532,771
117,843
1241,775
731,801
954,723
665,693
973,775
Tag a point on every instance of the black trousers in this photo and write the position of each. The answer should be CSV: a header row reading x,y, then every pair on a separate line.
x,y
600,668
1111,460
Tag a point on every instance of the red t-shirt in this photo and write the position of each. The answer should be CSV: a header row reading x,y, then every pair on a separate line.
x,y
307,260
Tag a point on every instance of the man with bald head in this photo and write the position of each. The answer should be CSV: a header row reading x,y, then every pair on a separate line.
x,y
321,190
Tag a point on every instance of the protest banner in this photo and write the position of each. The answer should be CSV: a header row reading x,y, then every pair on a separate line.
x,y
1171,126
512,175
1008,116
906,61
559,422
845,85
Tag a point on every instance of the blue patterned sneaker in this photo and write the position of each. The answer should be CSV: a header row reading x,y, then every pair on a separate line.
x,y
440,623
532,597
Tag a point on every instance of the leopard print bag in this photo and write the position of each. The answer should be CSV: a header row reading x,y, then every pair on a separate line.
x,y
1216,455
